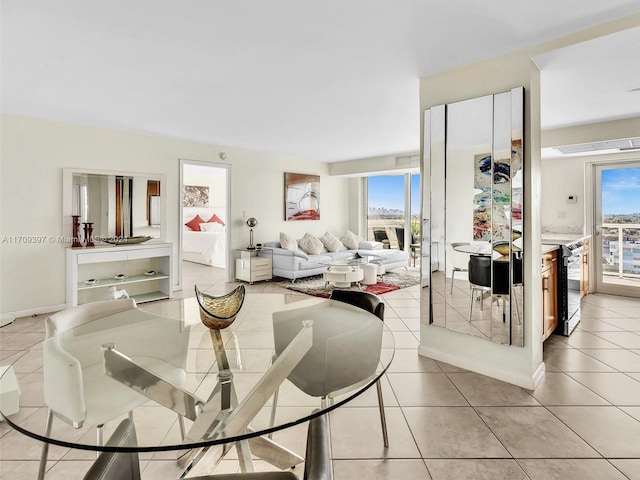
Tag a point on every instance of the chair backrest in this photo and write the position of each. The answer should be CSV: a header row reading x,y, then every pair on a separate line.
x,y
400,236
380,235
322,371
365,300
118,465
72,317
501,274
480,270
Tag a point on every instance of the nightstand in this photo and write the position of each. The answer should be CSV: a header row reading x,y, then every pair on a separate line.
x,y
251,267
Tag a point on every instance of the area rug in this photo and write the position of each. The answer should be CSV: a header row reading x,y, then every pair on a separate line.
x,y
386,283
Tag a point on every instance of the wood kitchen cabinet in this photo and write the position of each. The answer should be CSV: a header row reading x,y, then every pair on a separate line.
x,y
584,268
549,293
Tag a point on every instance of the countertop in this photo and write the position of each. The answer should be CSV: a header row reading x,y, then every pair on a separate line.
x,y
548,248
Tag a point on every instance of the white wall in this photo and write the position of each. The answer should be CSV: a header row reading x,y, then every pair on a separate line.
x,y
561,177
34,152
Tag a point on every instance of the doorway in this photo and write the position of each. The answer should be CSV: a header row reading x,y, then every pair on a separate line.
x,y
616,251
205,206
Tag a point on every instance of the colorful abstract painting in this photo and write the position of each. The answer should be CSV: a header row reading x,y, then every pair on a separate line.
x,y
482,197
302,196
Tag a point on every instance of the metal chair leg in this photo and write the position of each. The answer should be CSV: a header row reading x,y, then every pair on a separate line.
x,y
383,418
45,446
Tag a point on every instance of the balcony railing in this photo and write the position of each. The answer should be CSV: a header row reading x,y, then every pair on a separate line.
x,y
615,232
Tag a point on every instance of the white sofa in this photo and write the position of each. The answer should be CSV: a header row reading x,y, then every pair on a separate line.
x,y
294,264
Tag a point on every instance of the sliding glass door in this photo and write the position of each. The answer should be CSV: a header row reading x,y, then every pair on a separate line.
x,y
393,206
616,245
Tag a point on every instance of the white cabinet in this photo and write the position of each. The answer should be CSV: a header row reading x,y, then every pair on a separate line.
x,y
253,268
143,270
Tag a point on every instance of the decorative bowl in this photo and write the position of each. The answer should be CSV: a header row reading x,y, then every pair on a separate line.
x,y
128,240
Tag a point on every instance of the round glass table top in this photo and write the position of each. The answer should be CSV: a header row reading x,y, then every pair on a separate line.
x,y
179,378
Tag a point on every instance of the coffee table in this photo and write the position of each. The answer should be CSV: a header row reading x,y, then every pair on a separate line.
x,y
342,273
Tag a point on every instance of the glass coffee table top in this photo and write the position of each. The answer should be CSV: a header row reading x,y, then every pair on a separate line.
x,y
348,262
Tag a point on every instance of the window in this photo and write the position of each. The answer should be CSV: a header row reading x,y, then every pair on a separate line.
x,y
393,206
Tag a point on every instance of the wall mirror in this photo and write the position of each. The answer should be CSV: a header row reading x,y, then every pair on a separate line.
x,y
472,205
118,205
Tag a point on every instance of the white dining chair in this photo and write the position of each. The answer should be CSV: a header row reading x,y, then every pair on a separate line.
x,y
76,389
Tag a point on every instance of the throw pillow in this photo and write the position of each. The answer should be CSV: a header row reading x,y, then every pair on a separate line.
x,y
215,219
287,242
331,242
194,223
310,244
211,227
351,240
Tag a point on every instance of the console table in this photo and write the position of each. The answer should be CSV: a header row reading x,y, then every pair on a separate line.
x,y
143,270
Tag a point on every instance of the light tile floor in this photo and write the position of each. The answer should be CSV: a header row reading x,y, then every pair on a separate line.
x,y
582,422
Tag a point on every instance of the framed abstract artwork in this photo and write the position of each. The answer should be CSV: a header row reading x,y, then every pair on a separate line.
x,y
301,196
195,196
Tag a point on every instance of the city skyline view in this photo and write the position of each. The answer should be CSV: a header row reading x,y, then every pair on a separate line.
x,y
386,192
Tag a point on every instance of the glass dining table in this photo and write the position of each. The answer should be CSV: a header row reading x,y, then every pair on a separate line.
x,y
203,395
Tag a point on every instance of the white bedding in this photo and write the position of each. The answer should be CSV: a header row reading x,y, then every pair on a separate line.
x,y
210,246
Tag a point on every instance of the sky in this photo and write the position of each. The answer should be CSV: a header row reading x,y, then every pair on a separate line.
x,y
621,191
387,191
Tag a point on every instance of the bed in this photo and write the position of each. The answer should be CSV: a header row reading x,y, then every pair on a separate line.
x,y
207,246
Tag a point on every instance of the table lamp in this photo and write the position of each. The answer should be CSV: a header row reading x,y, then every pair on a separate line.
x,y
251,223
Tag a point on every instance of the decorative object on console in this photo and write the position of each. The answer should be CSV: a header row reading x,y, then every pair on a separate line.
x,y
115,294
76,231
88,234
251,223
302,196
195,196
128,240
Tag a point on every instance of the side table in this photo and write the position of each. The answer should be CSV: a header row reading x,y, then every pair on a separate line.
x,y
251,267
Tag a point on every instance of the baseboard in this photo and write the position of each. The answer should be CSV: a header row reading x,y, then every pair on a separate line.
x,y
515,378
30,312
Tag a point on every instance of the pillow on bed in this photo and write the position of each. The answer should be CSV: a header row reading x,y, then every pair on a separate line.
x,y
310,244
211,227
287,242
215,219
194,223
331,242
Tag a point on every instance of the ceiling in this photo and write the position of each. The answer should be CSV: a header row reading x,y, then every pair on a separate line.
x,y
327,80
